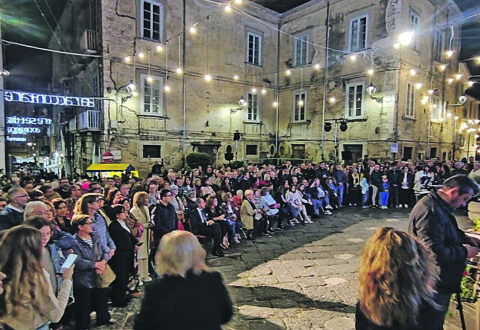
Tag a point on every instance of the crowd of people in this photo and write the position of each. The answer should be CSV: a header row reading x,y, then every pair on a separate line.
x,y
116,224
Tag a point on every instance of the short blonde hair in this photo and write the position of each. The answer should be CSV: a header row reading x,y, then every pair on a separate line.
x,y
178,253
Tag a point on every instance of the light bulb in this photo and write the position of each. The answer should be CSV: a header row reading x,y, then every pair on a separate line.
x,y
442,67
228,8
450,80
159,48
317,66
127,59
301,103
418,85
141,54
430,91
238,2
288,72
413,72
352,57
275,104
458,76
235,77
477,59
149,79
264,91
208,77
166,88
254,90
193,30
370,72
179,70
470,83
449,53
332,100
406,38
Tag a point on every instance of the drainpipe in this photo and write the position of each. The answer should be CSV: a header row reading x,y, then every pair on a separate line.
x,y
325,79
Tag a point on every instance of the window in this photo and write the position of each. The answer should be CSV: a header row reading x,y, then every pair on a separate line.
x,y
254,44
251,150
151,151
299,107
354,100
437,46
301,50
252,107
436,109
358,33
410,105
414,19
152,15
152,95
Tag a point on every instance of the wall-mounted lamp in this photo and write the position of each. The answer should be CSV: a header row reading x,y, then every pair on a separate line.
x,y
371,89
242,103
462,99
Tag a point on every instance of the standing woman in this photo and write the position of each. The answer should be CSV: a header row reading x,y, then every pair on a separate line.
x,y
29,301
152,193
251,216
142,214
91,261
122,260
61,219
186,286
354,185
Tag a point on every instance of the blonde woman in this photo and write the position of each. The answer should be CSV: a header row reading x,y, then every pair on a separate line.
x,y
188,295
142,214
397,282
29,301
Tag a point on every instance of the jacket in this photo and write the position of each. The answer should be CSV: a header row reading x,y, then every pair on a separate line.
x,y
100,227
165,218
199,302
246,214
84,272
9,218
432,221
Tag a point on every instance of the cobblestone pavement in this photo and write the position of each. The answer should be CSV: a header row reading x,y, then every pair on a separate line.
x,y
301,278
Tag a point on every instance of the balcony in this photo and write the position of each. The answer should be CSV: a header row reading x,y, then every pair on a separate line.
x,y
89,121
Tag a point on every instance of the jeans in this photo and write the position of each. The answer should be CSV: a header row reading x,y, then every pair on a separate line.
x,y
340,190
364,199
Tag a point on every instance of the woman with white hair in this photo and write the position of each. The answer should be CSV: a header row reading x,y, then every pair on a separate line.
x,y
188,295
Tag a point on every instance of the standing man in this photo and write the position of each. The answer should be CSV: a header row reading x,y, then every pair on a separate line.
x,y
432,221
12,215
165,220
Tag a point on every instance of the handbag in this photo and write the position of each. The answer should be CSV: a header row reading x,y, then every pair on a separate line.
x,y
104,279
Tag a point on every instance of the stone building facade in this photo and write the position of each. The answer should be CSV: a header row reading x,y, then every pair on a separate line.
x,y
295,71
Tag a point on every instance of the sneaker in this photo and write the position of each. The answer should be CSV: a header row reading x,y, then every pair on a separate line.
x,y
146,279
236,240
329,207
399,206
406,206
384,207
327,212
364,207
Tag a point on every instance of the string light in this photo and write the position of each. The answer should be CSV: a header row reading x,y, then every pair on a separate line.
x,y
275,104
332,100
288,72
413,72
458,76
430,91
179,70
208,77
235,77
159,48
477,60
353,58
370,72
450,80
166,88
317,66
193,29
149,79
470,83
228,8
238,2
141,54
449,53
127,59
254,90
264,91
442,67
418,85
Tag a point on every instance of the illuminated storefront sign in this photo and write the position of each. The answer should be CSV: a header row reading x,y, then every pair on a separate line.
x,y
28,121
16,139
15,96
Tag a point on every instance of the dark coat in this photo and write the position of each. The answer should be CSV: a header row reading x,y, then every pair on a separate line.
x,y
432,220
10,218
122,260
196,221
165,220
199,302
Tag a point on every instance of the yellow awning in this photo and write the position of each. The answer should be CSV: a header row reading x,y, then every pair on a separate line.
x,y
110,167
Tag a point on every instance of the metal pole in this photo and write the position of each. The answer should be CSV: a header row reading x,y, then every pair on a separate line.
x,y
184,105
336,140
325,80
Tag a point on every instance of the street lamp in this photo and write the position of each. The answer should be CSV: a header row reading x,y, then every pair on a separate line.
x,y
242,104
371,89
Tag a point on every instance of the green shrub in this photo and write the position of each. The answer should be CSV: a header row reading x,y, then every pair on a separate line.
x,y
196,159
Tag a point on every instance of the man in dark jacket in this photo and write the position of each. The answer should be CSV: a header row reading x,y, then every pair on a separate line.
x,y
377,184
432,221
202,226
12,214
165,219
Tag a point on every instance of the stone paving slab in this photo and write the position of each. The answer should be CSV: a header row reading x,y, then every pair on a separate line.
x,y
302,278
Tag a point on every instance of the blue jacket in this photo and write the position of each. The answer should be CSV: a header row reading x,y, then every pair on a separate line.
x,y
100,227
84,271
